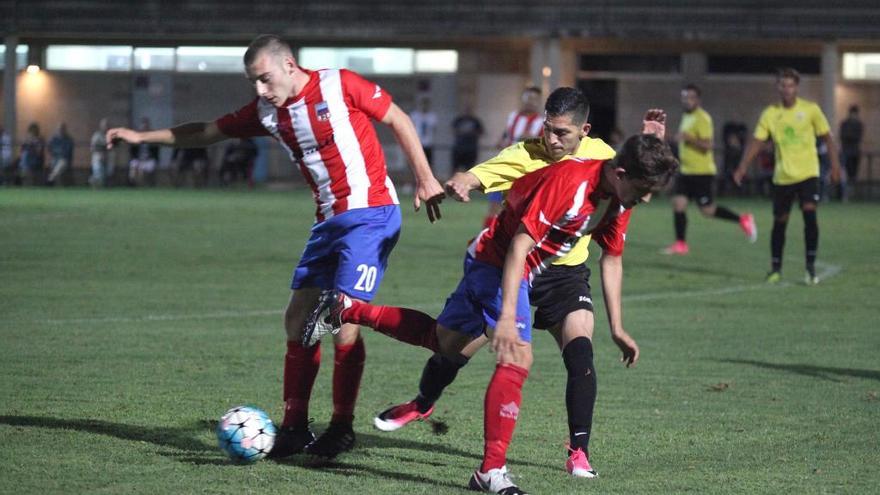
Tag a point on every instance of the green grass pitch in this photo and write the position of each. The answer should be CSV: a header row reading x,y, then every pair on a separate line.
x,y
131,320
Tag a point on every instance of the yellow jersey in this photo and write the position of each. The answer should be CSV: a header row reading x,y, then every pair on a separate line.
x,y
794,132
498,174
695,161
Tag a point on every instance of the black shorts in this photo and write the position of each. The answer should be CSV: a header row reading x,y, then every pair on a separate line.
x,y
783,196
558,291
695,187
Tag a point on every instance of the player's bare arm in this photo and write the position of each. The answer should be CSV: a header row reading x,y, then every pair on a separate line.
x,y
189,135
611,268
833,156
751,152
461,184
654,122
428,189
505,340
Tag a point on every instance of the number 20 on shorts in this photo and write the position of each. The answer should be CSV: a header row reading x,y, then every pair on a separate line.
x,y
366,279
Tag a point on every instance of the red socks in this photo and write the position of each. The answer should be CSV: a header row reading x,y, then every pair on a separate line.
x,y
349,366
300,369
501,409
403,324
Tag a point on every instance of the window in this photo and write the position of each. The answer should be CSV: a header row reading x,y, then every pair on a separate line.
x,y
379,60
210,59
436,60
631,63
154,59
85,57
861,66
362,60
752,64
21,53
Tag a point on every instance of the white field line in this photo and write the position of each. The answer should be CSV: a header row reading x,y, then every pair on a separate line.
x,y
825,271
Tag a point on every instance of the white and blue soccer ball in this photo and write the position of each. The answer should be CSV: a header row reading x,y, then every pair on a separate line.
x,y
246,434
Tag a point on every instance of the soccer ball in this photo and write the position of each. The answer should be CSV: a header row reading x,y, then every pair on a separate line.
x,y
246,434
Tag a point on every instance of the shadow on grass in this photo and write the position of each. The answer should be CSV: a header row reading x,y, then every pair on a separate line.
x,y
177,437
364,469
822,372
191,450
390,441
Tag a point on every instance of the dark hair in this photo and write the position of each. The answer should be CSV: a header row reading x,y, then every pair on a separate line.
x,y
854,108
532,89
262,42
788,73
693,87
564,101
647,157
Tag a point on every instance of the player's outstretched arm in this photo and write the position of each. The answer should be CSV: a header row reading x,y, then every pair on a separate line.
x,y
428,189
461,184
654,122
189,135
612,286
748,157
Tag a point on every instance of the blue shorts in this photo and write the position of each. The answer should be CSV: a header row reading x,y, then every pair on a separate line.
x,y
476,302
349,252
495,197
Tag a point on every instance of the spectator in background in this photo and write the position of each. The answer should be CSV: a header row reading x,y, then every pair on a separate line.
x,y
525,123
6,169
191,161
100,155
467,130
766,165
425,121
734,134
60,153
144,160
851,132
32,157
238,160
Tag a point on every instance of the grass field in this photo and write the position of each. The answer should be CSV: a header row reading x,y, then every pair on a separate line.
x,y
131,320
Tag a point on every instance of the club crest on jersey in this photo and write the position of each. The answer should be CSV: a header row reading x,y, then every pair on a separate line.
x,y
322,111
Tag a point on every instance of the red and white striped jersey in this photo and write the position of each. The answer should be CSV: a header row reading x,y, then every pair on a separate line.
x,y
327,132
522,125
557,205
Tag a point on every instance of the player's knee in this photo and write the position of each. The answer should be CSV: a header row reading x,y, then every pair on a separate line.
x,y
293,323
348,334
809,207
578,357
522,356
781,219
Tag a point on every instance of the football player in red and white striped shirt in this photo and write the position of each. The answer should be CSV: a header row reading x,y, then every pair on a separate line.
x,y
323,119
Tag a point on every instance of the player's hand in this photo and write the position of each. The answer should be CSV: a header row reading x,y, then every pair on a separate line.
x,y
654,122
505,341
432,194
738,175
835,175
122,133
458,189
627,346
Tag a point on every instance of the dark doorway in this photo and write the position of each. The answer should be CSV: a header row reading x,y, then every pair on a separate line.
x,y
602,95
